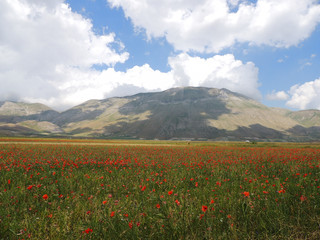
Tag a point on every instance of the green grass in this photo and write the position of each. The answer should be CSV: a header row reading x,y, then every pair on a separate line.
x,y
101,191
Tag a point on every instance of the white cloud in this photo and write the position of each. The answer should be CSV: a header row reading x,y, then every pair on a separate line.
x,y
212,25
274,96
219,72
305,96
38,39
47,54
81,85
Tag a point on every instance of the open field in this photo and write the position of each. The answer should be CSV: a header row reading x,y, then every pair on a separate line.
x,y
96,189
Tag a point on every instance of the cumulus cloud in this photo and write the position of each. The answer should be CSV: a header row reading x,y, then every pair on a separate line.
x,y
38,39
212,25
300,96
281,95
305,96
218,71
48,54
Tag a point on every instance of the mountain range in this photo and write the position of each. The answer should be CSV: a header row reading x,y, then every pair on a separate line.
x,y
188,113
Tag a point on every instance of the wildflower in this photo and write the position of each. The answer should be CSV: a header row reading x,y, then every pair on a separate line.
x,y
204,208
130,225
45,197
143,188
112,214
104,202
88,230
177,202
170,192
30,187
246,194
303,198
158,206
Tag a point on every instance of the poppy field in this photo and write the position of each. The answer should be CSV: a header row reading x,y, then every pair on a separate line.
x,y
92,191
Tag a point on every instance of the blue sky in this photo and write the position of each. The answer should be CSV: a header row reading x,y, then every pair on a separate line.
x,y
62,53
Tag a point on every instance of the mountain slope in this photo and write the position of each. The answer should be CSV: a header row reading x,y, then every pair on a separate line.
x,y
18,118
306,118
179,113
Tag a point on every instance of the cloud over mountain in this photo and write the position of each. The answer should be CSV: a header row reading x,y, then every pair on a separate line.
x,y
53,55
305,96
48,54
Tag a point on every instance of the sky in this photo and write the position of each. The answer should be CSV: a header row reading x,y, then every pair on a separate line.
x,y
64,52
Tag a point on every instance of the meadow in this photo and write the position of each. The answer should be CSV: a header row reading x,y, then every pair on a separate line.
x,y
68,189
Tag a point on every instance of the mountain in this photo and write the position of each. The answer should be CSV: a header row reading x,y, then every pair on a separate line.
x,y
178,113
18,118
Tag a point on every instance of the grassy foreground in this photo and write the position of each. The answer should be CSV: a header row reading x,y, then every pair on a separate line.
x,y
78,191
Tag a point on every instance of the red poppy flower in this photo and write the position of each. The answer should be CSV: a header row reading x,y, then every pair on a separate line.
x,y
204,208
303,198
130,224
104,202
170,192
112,214
88,230
45,197
30,187
246,194
158,205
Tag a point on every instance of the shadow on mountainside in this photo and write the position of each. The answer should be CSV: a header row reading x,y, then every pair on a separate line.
x,y
178,113
183,114
49,115
256,131
75,115
300,131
